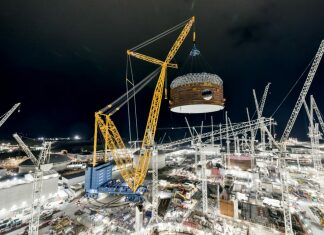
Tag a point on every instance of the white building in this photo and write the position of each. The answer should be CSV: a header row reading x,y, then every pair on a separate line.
x,y
59,161
160,158
16,192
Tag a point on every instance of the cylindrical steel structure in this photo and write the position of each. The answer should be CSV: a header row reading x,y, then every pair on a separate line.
x,y
197,93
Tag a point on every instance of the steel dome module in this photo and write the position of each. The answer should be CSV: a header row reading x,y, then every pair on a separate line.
x,y
197,93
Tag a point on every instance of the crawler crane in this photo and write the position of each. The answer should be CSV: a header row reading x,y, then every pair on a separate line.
x,y
134,175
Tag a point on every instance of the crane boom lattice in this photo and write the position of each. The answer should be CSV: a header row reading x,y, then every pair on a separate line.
x,y
134,176
40,167
318,114
8,114
303,93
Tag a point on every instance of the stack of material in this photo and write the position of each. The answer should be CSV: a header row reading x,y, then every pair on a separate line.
x,y
226,207
242,162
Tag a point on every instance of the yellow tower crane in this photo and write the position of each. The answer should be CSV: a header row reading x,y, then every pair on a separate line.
x,y
135,176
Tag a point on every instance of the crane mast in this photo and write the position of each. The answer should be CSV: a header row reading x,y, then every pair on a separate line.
x,y
314,132
264,97
252,138
310,117
8,114
263,100
40,167
259,117
227,135
318,113
259,109
150,130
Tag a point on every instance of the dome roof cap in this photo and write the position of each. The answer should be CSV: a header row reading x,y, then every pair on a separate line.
x,y
192,78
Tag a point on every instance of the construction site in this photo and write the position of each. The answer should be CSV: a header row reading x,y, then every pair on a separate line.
x,y
228,178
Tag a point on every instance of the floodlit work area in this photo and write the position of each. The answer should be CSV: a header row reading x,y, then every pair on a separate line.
x,y
228,178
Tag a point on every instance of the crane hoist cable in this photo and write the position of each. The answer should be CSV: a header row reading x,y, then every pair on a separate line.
x,y
132,83
148,78
159,36
293,86
122,100
134,90
134,93
128,108
195,62
134,176
135,106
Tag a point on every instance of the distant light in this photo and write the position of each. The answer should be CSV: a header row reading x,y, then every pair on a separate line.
x,y
76,137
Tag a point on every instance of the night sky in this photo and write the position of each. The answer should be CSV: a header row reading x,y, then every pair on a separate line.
x,y
65,59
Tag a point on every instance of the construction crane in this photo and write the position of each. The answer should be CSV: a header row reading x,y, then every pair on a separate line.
x,y
303,93
204,188
314,133
199,150
286,133
259,110
227,136
260,117
195,144
264,97
40,167
134,176
317,134
234,135
8,114
251,132
238,128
